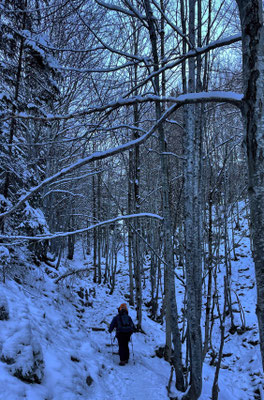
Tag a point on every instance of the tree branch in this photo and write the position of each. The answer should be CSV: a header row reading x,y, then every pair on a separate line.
x,y
78,231
189,98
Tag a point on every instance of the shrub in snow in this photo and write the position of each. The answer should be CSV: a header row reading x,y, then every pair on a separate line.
x,y
24,355
4,310
34,224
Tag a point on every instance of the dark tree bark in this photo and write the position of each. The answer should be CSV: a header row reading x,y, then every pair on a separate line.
x,y
251,16
193,261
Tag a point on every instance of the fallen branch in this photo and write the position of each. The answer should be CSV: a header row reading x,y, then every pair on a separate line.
x,y
76,271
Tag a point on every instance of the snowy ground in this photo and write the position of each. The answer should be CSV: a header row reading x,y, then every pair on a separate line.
x,y
79,363
72,350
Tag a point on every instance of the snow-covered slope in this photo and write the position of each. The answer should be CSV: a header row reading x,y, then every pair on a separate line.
x,y
79,361
78,358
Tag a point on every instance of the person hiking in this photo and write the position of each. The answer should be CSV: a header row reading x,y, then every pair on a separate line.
x,y
124,326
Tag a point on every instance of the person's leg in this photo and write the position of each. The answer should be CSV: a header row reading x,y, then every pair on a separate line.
x,y
127,347
122,348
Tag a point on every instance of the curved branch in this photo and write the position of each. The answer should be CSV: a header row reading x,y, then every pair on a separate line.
x,y
65,234
189,98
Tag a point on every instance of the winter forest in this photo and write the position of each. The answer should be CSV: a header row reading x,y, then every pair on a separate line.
x,y
132,171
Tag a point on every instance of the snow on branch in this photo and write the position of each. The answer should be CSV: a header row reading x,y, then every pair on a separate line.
x,y
65,234
202,97
216,96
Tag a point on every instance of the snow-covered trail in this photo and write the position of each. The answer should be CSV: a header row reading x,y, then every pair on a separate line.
x,y
145,376
145,379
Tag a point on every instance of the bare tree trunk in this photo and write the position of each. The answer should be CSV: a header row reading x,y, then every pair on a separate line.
x,y
251,16
94,231
229,309
154,264
171,305
136,241
99,232
192,231
163,148
130,233
136,244
210,270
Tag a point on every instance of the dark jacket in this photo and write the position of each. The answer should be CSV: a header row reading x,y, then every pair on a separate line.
x,y
117,324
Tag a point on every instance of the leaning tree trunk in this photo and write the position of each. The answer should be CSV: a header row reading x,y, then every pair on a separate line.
x,y
251,16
